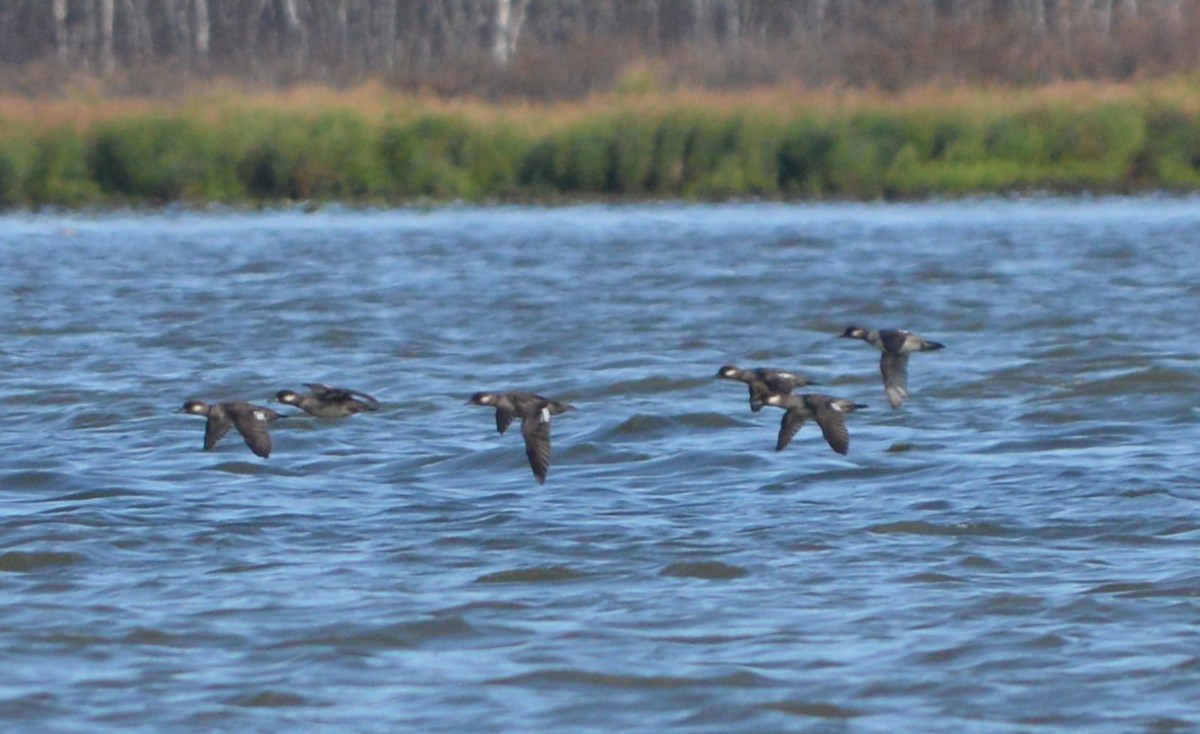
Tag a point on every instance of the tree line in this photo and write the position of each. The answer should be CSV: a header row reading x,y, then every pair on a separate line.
x,y
572,47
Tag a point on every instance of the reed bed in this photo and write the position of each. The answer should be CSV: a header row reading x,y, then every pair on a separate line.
x,y
370,145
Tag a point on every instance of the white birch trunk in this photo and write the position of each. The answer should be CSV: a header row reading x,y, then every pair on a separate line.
x,y
108,61
291,19
821,11
387,39
506,31
700,21
201,30
61,42
500,40
732,11
1037,16
139,29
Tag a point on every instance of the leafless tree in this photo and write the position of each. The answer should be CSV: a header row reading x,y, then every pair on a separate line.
x,y
813,40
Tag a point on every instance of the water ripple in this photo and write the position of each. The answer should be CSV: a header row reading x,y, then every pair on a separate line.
x,y
1010,550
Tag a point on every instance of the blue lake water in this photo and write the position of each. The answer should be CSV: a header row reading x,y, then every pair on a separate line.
x,y
1014,550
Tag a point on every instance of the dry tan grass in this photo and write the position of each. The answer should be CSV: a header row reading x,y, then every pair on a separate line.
x,y
84,103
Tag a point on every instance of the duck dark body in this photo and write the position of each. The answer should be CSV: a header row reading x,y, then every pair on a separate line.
x,y
764,381
250,420
534,412
323,401
896,345
829,413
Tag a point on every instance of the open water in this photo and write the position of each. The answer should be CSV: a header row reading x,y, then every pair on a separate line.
x,y
1014,550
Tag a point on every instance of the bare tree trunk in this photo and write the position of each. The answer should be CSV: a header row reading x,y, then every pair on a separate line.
x,y
88,46
179,28
387,37
253,24
820,11
200,31
296,31
500,50
733,20
139,29
339,48
108,61
1105,16
61,42
1037,16
651,30
699,20
507,29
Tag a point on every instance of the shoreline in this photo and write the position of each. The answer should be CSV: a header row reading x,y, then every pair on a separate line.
x,y
368,146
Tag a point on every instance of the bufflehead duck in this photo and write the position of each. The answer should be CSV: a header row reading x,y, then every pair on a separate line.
x,y
829,412
896,345
328,402
764,381
534,412
250,420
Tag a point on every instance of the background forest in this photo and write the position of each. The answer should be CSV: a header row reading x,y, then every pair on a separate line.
x,y
547,49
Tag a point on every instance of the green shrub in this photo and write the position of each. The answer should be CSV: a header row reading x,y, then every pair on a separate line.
x,y
709,140
956,139
425,157
1013,139
1172,155
756,142
491,161
857,167
585,160
336,158
690,150
670,149
804,158
536,171
161,159
12,184
58,170
633,154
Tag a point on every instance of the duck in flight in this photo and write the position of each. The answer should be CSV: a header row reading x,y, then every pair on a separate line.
x,y
534,412
250,421
328,402
829,412
896,345
764,381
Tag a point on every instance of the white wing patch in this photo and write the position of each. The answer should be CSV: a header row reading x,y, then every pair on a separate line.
x,y
260,415
545,415
836,407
